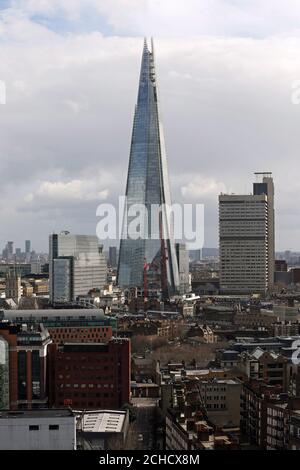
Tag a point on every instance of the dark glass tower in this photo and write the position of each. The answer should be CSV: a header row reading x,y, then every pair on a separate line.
x,y
148,261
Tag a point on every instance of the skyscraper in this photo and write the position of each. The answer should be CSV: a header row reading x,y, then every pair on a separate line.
x,y
10,250
27,251
152,253
27,246
76,265
183,268
246,230
112,256
266,186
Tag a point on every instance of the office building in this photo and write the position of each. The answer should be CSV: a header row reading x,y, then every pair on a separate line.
x,y
182,256
25,358
22,268
246,236
10,250
148,185
265,186
76,266
112,257
27,247
90,375
68,325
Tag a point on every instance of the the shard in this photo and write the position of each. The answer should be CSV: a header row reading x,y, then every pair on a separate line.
x,y
148,261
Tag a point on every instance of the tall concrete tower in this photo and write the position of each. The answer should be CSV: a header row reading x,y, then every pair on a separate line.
x,y
247,239
265,185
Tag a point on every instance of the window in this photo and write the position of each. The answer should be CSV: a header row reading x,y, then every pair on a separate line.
x,y
34,427
53,427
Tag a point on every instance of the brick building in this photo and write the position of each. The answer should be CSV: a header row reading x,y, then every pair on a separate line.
x,y
86,334
69,325
26,364
270,419
90,375
267,366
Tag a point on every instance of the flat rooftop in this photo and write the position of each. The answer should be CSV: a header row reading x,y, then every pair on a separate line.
x,y
40,413
105,421
63,312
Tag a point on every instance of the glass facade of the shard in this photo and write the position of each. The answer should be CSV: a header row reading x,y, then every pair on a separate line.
x,y
148,186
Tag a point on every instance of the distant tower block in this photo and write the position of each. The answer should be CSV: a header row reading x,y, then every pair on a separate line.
x,y
13,289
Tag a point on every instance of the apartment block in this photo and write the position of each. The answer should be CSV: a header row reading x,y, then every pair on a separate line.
x,y
246,238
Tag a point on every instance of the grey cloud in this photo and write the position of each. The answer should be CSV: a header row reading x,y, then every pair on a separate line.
x,y
225,104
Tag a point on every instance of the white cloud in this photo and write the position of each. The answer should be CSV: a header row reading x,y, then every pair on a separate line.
x,y
226,107
177,17
53,194
71,191
198,188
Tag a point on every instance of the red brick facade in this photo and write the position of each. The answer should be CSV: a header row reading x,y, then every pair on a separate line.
x,y
90,375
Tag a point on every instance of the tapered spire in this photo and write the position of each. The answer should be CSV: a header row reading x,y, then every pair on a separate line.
x,y
148,185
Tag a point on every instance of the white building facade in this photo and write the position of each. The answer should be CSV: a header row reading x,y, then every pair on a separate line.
x,y
47,429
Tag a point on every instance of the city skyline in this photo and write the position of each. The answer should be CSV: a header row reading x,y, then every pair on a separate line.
x,y
227,97
149,255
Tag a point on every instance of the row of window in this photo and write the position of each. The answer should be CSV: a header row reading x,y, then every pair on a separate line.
x,y
84,395
216,406
85,358
86,385
68,336
82,330
36,427
83,404
216,397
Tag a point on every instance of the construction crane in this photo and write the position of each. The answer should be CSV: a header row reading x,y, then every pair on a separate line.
x,y
163,261
197,389
157,269
146,268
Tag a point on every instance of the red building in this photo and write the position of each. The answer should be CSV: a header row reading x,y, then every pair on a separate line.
x,y
281,265
296,275
25,385
90,375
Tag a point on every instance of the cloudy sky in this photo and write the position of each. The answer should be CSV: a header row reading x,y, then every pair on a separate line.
x,y
226,72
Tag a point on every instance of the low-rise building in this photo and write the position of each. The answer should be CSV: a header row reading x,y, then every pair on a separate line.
x,y
265,365
194,433
294,431
204,332
102,429
45,429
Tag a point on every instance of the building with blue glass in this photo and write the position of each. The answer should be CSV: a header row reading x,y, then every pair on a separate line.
x,y
148,258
